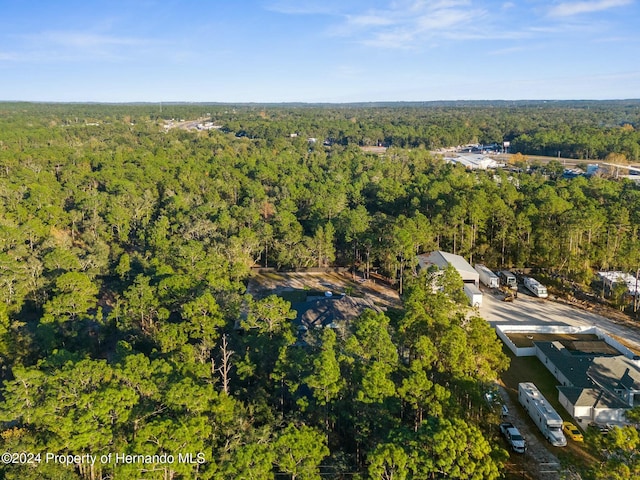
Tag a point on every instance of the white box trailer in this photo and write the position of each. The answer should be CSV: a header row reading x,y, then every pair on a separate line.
x,y
542,413
474,294
487,277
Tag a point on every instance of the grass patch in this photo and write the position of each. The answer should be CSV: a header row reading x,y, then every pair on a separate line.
x,y
530,369
301,296
294,296
272,276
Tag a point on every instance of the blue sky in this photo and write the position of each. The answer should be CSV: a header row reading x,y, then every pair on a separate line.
x,y
318,50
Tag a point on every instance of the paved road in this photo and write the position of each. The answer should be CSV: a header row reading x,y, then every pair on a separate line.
x,y
535,311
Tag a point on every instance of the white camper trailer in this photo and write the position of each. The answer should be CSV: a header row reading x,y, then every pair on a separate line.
x,y
535,287
542,413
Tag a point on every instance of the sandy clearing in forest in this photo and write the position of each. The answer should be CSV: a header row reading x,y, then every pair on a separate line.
x,y
374,289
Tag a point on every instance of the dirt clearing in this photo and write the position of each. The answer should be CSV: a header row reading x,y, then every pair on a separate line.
x,y
375,290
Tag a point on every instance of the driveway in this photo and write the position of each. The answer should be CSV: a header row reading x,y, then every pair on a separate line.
x,y
537,462
531,310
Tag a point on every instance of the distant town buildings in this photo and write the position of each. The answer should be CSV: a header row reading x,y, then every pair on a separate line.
x,y
208,126
473,161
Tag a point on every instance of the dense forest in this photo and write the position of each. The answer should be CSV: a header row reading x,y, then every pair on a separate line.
x,y
125,251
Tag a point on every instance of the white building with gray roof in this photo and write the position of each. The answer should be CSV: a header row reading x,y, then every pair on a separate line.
x,y
593,387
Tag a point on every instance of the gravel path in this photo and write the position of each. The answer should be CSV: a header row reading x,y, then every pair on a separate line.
x,y
538,462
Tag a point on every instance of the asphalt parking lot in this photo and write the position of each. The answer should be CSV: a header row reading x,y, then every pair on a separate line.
x,y
527,309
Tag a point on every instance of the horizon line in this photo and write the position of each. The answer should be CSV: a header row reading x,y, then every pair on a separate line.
x,y
303,102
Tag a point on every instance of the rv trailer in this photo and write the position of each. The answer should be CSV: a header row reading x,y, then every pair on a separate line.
x,y
535,287
542,413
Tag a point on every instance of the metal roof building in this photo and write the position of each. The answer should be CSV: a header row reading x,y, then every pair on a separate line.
x,y
594,387
443,259
473,161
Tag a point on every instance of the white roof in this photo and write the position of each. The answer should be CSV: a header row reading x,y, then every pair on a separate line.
x,y
473,161
485,269
620,277
442,259
471,288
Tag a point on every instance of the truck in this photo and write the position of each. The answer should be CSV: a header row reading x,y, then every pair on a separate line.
x,y
514,439
535,287
508,279
542,413
487,277
474,294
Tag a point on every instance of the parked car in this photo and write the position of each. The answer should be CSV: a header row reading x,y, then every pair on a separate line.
x,y
513,437
571,431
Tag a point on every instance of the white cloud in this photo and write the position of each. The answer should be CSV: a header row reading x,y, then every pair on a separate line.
x,y
509,50
84,40
446,19
9,57
307,7
73,46
567,9
370,21
408,24
419,24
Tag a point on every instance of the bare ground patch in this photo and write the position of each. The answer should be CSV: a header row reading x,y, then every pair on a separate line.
x,y
270,282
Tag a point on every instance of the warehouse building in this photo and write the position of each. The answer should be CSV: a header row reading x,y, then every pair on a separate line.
x,y
443,259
